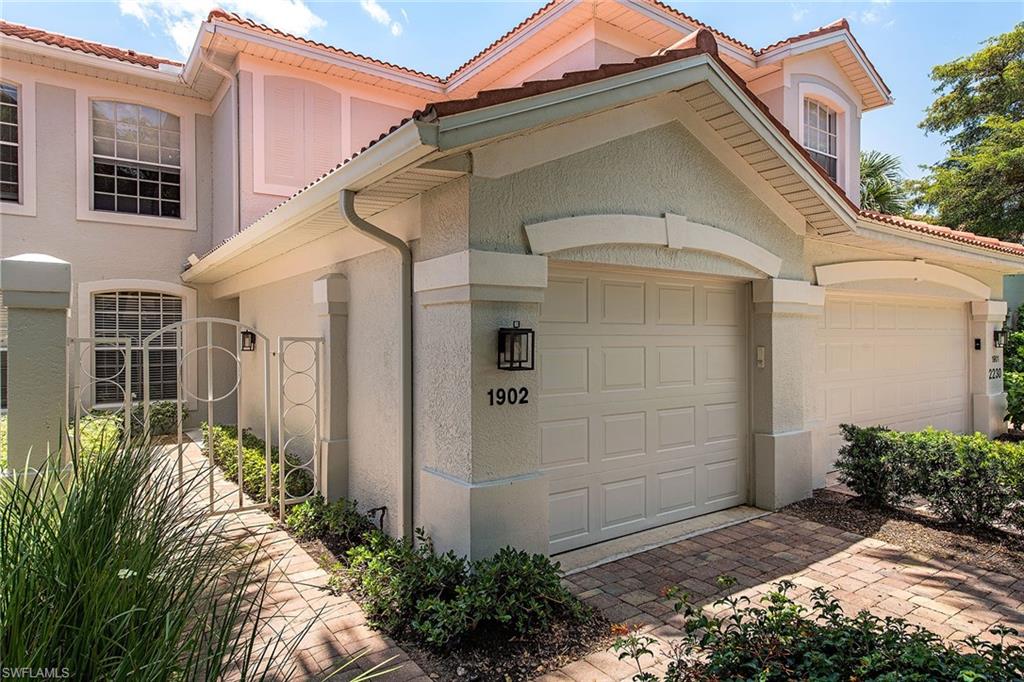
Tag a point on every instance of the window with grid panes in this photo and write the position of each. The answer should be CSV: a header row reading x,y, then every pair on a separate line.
x,y
821,136
136,315
10,151
136,157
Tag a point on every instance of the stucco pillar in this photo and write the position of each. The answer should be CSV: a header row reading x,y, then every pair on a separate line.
x,y
785,314
330,297
478,485
37,292
987,397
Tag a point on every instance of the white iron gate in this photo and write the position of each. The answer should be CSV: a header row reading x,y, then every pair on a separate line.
x,y
100,379
218,362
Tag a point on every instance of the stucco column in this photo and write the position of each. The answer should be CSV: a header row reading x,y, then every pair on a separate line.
x,y
987,397
330,297
785,314
478,485
37,292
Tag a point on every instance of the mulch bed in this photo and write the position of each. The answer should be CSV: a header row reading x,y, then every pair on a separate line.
x,y
504,660
915,530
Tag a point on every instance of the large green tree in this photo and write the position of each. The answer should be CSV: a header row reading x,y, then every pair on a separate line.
x,y
882,185
980,110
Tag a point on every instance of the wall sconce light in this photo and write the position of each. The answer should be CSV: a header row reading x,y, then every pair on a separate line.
x,y
515,348
999,337
248,341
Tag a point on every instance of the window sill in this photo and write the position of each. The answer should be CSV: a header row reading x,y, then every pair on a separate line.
x,y
11,208
112,217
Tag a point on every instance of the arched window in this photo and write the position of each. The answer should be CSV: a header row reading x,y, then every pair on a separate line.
x,y
136,315
136,159
821,136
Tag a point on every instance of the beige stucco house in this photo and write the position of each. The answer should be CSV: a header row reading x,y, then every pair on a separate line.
x,y
672,213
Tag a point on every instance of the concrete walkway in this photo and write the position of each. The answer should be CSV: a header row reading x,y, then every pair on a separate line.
x,y
954,601
297,593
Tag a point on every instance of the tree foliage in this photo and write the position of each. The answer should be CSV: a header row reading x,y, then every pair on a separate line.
x,y
882,186
980,109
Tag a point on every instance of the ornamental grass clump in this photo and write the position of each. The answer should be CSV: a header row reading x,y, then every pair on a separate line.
x,y
108,573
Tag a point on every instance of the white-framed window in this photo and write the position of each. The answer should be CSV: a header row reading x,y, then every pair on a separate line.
x,y
10,142
136,159
821,135
136,315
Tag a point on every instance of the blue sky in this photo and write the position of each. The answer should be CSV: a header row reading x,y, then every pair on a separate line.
x,y
903,39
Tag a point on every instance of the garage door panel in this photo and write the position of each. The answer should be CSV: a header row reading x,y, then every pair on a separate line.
x,y
901,363
657,430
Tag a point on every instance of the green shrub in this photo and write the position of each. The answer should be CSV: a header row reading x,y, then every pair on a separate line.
x,y
966,479
782,640
339,524
1013,383
163,417
225,455
440,601
873,465
3,442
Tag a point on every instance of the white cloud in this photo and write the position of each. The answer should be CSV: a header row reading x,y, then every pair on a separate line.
x,y
869,16
180,19
383,17
798,12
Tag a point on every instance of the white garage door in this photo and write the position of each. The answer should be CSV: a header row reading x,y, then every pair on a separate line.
x,y
897,362
643,406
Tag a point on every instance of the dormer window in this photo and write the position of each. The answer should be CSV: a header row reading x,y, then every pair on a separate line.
x,y
821,136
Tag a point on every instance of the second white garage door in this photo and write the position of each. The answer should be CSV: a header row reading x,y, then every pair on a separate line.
x,y
643,406
899,362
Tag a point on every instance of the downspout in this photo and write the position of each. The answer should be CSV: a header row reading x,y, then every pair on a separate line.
x,y
236,189
348,211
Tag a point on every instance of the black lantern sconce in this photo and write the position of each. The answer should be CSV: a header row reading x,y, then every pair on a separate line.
x,y
515,348
248,340
999,337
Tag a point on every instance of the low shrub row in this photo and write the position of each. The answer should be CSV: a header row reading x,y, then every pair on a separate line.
x,y
966,479
439,601
299,482
782,640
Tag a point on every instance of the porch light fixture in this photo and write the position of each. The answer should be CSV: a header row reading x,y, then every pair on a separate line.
x,y
248,340
515,348
999,337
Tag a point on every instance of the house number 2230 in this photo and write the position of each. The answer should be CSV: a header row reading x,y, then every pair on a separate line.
x,y
510,396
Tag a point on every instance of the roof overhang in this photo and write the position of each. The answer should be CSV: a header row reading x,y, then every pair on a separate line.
x,y
850,57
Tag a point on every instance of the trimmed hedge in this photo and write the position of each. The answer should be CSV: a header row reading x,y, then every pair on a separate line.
x,y
966,479
439,601
254,482
782,640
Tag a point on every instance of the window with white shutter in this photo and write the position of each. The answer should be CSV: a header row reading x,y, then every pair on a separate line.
x,y
136,315
302,131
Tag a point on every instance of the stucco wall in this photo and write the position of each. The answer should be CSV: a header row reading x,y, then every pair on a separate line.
x,y
587,56
222,183
253,205
664,170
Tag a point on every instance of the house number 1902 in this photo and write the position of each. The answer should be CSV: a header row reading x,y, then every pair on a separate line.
x,y
510,396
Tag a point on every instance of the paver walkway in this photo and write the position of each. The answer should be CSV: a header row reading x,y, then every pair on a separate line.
x,y
297,592
953,601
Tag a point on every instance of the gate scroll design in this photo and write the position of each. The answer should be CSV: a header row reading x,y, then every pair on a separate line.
x,y
298,410
100,376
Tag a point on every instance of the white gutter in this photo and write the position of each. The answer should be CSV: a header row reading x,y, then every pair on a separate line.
x,y
236,171
406,146
347,204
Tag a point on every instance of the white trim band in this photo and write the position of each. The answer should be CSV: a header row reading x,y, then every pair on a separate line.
x,y
673,231
917,270
490,268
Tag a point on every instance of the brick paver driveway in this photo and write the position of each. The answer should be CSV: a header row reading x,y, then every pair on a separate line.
x,y
953,601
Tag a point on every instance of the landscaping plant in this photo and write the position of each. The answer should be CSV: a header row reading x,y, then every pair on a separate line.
x,y
780,640
966,479
438,600
109,576
254,462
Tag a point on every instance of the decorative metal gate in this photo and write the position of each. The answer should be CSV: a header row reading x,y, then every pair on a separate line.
x,y
223,367
100,388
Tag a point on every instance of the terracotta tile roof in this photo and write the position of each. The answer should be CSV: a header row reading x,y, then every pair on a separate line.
x,y
38,35
700,24
508,34
231,17
835,27
945,232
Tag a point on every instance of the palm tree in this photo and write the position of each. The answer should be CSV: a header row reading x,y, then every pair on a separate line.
x,y
882,186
